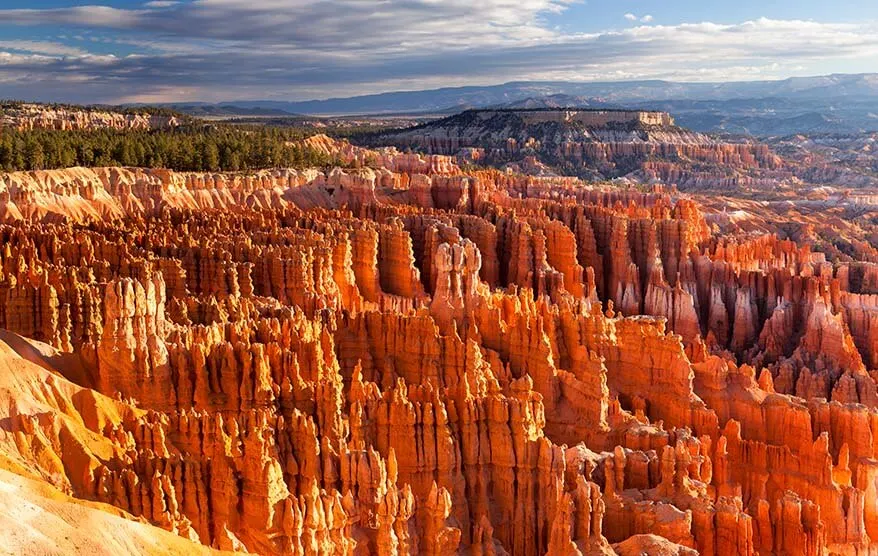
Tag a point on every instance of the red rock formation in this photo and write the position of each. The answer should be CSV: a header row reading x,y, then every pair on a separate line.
x,y
374,361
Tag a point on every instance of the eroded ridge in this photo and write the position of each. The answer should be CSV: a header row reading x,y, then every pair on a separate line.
x,y
413,359
27,116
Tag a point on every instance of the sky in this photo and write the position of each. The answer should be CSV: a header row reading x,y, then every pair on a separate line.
x,y
116,51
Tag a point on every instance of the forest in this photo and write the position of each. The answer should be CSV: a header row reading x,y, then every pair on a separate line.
x,y
188,148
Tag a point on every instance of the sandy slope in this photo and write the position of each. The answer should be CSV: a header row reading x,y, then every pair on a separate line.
x,y
35,516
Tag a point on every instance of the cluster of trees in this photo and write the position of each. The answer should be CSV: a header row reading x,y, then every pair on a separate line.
x,y
189,148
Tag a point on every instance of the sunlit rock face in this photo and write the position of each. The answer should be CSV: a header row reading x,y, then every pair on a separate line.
x,y
406,358
40,116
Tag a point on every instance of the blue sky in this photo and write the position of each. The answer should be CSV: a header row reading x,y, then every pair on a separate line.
x,y
212,50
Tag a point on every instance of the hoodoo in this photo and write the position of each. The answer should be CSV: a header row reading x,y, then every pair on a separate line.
x,y
407,357
526,312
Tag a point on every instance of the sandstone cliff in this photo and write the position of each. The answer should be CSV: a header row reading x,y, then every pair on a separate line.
x,y
641,146
38,116
406,358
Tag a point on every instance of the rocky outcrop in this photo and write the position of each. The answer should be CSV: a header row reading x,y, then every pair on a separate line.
x,y
377,361
38,116
602,144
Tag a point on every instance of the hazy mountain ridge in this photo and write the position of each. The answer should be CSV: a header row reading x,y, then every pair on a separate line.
x,y
837,103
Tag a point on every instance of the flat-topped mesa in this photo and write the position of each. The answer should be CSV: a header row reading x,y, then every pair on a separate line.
x,y
588,117
548,133
641,146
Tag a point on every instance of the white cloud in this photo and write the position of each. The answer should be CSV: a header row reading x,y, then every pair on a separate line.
x,y
42,47
233,49
161,4
631,17
92,16
353,23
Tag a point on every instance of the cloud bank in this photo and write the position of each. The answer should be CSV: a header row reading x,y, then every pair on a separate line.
x,y
296,49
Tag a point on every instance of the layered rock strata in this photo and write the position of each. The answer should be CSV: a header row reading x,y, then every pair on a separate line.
x,y
643,146
378,361
39,116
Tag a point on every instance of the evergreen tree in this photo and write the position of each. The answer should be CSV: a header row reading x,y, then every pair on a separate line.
x,y
33,155
191,148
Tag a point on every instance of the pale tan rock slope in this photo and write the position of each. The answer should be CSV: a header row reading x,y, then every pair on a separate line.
x,y
35,516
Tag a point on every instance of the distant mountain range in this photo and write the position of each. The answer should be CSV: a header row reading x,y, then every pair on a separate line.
x,y
838,103
225,110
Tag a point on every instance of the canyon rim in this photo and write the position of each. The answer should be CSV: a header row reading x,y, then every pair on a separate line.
x,y
516,308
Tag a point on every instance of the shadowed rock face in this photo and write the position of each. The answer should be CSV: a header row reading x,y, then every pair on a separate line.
x,y
381,361
636,145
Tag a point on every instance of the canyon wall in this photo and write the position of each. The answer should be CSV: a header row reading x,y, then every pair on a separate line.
x,y
40,116
415,359
640,146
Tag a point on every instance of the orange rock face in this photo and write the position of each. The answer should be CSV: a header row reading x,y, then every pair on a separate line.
x,y
408,359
